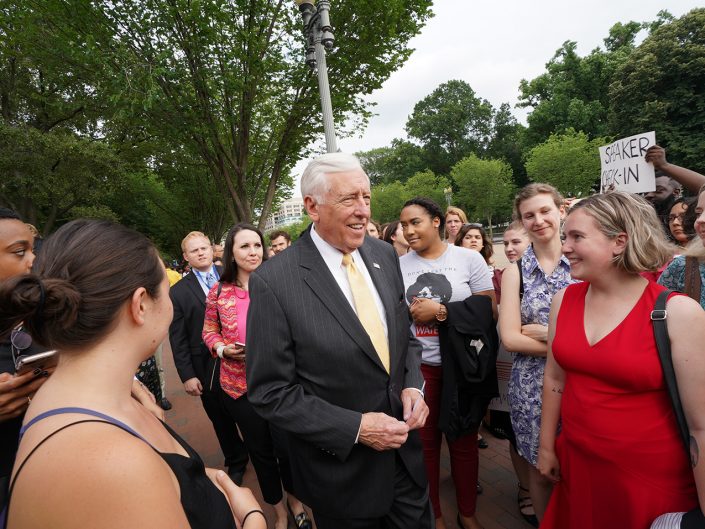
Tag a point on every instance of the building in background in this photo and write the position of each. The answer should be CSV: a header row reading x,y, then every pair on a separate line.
x,y
289,212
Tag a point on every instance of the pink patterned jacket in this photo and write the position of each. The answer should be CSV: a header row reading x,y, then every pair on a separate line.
x,y
225,322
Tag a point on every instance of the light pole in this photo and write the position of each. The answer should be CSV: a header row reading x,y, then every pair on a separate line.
x,y
448,193
319,37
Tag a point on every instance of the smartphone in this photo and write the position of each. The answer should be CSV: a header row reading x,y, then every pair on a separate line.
x,y
43,360
240,344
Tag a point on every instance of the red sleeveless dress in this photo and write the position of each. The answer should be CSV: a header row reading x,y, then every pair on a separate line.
x,y
622,461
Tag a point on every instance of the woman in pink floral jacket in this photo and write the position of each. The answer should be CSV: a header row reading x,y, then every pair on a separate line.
x,y
224,332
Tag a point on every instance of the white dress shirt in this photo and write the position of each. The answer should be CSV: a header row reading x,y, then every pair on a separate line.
x,y
334,261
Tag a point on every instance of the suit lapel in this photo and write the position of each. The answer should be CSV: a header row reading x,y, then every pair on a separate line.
x,y
195,287
318,277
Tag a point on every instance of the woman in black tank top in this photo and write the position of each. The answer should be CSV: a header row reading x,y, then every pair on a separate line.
x,y
89,454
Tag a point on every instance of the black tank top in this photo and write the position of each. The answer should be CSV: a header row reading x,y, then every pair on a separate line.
x,y
205,506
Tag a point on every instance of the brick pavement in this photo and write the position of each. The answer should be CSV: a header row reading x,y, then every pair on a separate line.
x,y
497,507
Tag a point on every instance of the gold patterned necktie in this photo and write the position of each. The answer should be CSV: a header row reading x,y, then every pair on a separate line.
x,y
366,309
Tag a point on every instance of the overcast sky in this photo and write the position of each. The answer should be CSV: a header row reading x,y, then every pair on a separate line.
x,y
492,46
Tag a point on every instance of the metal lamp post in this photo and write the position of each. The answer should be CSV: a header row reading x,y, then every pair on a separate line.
x,y
319,37
448,192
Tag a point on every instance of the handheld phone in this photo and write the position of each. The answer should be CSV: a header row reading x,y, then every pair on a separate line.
x,y
43,360
240,344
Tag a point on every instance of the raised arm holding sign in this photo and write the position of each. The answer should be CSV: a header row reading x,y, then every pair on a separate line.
x,y
623,166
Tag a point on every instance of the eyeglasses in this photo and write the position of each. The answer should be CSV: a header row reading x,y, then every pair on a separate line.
x,y
472,225
20,341
680,217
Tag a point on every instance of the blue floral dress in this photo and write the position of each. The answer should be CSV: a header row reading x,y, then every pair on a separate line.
x,y
526,380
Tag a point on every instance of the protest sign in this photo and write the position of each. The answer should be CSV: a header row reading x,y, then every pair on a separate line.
x,y
623,165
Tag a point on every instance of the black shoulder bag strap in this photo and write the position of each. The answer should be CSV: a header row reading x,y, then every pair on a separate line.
x,y
663,344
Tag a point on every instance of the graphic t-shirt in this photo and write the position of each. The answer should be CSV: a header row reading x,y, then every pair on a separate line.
x,y
454,276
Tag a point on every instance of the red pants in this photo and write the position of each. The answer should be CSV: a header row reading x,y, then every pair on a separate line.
x,y
463,451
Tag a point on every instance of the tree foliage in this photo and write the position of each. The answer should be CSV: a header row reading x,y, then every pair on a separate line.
x,y
387,201
450,123
573,93
570,162
401,160
227,79
201,107
485,188
52,177
660,87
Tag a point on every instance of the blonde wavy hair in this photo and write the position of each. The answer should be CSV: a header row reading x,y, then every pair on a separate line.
x,y
618,212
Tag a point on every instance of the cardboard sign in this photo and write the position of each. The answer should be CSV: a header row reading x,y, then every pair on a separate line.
x,y
623,165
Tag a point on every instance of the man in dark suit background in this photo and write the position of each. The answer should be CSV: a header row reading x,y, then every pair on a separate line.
x,y
331,361
194,363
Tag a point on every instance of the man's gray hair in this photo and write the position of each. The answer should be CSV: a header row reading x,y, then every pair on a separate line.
x,y
314,182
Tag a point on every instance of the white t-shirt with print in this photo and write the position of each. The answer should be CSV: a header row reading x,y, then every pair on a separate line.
x,y
454,276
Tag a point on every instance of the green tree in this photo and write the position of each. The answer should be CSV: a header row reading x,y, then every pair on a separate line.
x,y
227,79
507,142
660,87
427,184
570,162
450,123
574,91
387,201
485,188
52,177
401,160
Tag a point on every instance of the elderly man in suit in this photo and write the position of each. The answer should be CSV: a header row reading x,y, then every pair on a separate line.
x,y
197,368
331,361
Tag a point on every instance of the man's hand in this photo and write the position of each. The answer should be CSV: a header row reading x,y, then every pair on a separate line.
x,y
415,408
382,432
424,310
16,390
657,156
193,387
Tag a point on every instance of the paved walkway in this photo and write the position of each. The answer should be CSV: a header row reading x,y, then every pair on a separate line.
x,y
497,507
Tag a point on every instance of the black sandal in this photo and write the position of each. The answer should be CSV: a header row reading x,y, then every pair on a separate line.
x,y
525,503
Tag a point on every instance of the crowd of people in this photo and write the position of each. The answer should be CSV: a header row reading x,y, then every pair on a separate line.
x,y
338,364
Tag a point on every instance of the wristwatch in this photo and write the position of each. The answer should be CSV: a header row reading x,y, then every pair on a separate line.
x,y
442,313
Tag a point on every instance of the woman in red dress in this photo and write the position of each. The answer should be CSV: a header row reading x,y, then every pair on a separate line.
x,y
618,461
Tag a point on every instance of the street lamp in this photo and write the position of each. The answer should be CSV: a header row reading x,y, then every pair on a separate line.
x,y
319,37
448,193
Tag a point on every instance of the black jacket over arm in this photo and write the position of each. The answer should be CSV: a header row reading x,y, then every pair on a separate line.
x,y
469,375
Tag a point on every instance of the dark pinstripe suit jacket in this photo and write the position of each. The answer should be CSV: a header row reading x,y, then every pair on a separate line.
x,y
312,371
